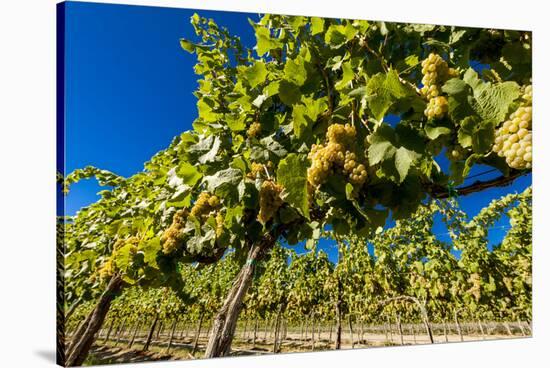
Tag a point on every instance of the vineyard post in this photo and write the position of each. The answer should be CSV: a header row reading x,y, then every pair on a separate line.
x,y
120,331
400,328
521,327
108,334
458,327
507,326
481,328
131,343
151,332
255,332
351,331
197,334
174,324
277,327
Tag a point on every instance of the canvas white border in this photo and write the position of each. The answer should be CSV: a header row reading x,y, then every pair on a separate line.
x,y
27,154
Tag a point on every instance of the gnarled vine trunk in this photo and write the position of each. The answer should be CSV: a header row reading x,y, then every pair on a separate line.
x,y
80,349
225,322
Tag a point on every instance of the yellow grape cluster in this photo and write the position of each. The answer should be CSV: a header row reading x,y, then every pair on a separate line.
x,y
435,72
270,200
527,95
108,268
219,224
254,130
205,204
338,155
437,107
258,169
475,290
514,138
172,238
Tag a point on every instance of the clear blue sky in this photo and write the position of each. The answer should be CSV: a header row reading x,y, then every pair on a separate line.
x,y
129,91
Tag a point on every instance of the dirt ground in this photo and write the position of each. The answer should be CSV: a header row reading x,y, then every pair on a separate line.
x,y
110,352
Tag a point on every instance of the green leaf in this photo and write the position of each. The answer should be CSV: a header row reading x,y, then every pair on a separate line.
x,y
472,79
435,128
338,34
454,86
412,60
150,250
222,179
492,102
188,173
317,25
476,133
264,41
305,114
383,90
382,145
403,160
210,156
187,45
295,71
255,74
236,122
347,76
381,151
292,175
289,93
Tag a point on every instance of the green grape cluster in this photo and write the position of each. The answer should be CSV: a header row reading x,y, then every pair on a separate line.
x,y
254,130
172,238
514,138
270,200
205,204
435,72
437,107
337,156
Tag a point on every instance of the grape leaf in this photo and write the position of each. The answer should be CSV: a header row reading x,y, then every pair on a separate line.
x,y
292,175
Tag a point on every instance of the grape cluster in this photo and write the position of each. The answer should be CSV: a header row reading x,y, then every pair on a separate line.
x,y
205,204
475,290
106,270
172,238
514,138
270,200
254,130
435,72
258,169
437,107
338,155
527,95
219,224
